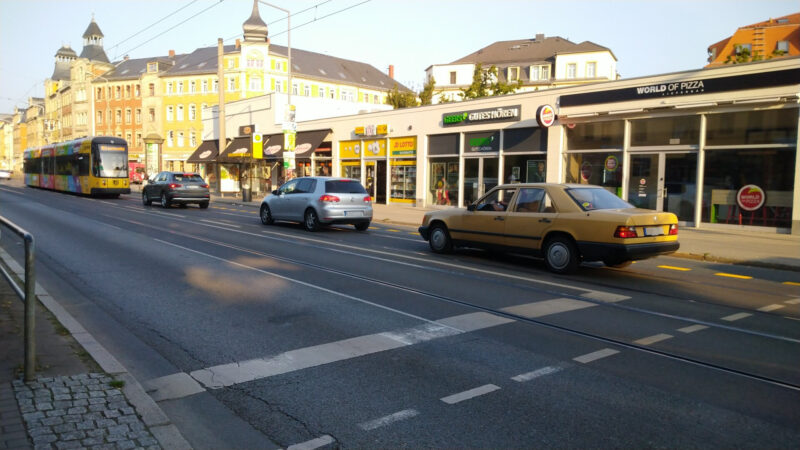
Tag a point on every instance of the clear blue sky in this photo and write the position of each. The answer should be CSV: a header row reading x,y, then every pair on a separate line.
x,y
647,36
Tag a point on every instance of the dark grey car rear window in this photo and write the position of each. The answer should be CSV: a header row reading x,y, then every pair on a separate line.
x,y
187,177
344,187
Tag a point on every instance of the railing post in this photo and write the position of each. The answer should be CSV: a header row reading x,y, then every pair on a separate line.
x,y
30,309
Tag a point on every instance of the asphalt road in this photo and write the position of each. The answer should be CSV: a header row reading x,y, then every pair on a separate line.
x,y
268,336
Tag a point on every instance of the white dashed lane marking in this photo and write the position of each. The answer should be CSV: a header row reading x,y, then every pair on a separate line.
x,y
735,317
594,356
769,308
472,393
312,444
536,374
387,420
692,328
653,339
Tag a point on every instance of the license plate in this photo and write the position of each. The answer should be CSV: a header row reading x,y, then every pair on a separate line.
x,y
192,186
353,213
654,231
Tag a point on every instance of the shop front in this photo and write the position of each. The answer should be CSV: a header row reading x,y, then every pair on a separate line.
x,y
443,160
727,162
311,157
403,170
205,158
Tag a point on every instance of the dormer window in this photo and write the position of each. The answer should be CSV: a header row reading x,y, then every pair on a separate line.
x,y
782,46
743,48
152,67
540,72
512,74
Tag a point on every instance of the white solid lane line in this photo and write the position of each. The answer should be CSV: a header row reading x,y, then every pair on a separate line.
x,y
472,393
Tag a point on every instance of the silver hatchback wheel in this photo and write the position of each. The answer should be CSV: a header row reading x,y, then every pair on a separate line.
x,y
311,222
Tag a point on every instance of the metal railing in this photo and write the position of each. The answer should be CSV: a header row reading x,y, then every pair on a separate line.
x,y
27,294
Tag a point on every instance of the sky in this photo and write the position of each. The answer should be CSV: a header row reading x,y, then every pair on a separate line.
x,y
648,37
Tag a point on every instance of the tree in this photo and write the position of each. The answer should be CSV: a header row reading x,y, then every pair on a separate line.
x,y
486,83
743,55
426,96
405,99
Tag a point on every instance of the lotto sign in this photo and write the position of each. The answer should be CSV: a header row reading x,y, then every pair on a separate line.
x,y
750,197
545,116
611,163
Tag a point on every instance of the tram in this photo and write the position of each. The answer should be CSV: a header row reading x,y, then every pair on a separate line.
x,y
96,166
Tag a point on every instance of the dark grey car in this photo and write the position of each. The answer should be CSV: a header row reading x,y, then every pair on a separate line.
x,y
180,188
316,201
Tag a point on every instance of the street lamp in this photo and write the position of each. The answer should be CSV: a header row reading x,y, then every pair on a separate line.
x,y
289,127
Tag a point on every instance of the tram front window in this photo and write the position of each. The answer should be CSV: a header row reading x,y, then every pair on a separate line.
x,y
111,164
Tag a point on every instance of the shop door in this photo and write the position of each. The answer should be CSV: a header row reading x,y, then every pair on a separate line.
x,y
664,182
480,176
376,180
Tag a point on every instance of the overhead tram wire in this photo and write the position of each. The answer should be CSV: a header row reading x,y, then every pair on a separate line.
x,y
176,26
152,25
213,58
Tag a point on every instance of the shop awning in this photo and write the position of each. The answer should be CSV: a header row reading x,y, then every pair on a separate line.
x,y
205,153
308,141
273,146
240,150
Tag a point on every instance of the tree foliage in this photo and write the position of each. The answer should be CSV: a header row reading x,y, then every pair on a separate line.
x,y
399,99
426,96
744,55
486,83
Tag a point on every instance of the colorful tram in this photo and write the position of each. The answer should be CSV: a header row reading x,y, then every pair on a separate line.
x,y
91,166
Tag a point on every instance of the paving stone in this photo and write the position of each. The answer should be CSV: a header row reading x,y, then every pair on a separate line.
x,y
97,432
106,423
73,435
38,431
44,439
97,401
111,413
73,418
64,428
50,421
68,445
76,410
34,415
85,425
89,441
63,403
56,412
126,445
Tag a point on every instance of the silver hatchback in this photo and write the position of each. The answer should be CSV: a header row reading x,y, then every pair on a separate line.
x,y
317,201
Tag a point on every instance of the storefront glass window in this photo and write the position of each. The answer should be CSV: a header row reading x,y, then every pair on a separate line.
x,y
727,171
752,127
666,131
525,168
595,135
443,187
602,169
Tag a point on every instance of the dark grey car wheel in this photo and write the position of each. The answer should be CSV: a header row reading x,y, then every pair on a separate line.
x,y
266,215
146,199
165,203
439,240
311,222
561,255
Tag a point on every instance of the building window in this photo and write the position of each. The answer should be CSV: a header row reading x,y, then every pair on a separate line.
x,y
782,46
231,84
152,114
138,91
128,91
138,115
117,92
452,78
375,99
179,115
321,92
295,89
331,93
307,90
128,138
170,112
591,69
180,87
192,87
118,116
99,117
170,138
192,112
544,73
255,84
152,67
152,89
128,115
278,86
193,139
513,73
744,48
204,86
169,88
216,86
138,139
180,139
99,93
571,70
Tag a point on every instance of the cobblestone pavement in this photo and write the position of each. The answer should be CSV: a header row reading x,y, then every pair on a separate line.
x,y
80,411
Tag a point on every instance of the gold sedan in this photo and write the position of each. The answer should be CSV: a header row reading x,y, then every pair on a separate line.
x,y
563,223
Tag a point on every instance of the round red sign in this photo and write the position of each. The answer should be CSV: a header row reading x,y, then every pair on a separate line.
x,y
750,197
546,116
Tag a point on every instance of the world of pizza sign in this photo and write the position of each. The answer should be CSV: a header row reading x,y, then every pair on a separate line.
x,y
750,197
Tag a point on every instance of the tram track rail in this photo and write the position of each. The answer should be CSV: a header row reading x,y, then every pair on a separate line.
x,y
671,355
